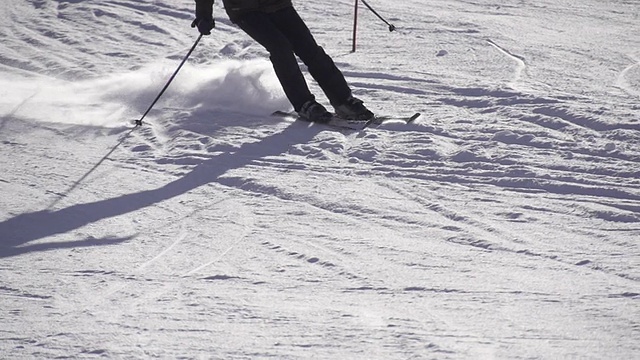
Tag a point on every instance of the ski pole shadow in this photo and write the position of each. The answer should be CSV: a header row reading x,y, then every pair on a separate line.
x,y
86,175
18,231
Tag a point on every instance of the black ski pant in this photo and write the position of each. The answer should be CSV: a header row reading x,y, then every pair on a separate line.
x,y
284,35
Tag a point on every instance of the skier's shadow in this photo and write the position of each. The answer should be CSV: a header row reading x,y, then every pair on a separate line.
x,y
27,227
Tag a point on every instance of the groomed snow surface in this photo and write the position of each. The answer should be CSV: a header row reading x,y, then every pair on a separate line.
x,y
503,224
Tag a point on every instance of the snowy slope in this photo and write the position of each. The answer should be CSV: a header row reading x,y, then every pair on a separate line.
x,y
503,224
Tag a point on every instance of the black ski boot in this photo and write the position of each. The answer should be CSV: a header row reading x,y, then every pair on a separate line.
x,y
314,112
353,109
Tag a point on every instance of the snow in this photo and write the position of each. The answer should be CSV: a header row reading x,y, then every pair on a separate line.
x,y
504,223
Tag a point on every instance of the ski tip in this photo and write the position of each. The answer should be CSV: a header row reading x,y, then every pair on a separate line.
x,y
283,113
413,117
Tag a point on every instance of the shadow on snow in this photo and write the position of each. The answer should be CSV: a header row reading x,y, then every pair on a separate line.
x,y
28,227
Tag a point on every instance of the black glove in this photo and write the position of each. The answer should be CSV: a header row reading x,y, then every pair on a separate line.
x,y
204,17
204,25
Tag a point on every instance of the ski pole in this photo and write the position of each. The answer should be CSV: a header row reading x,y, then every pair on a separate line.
x,y
355,26
139,122
391,26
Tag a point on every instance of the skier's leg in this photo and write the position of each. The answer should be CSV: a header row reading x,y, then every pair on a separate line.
x,y
320,65
262,29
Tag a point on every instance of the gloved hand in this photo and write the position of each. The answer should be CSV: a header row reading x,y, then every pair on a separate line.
x,y
204,17
204,25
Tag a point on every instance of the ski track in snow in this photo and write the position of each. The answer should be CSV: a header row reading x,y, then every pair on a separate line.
x,y
521,64
629,77
502,223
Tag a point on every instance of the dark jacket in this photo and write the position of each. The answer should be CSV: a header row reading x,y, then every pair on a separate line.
x,y
235,8
255,5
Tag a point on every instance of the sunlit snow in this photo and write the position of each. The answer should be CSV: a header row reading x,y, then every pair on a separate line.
x,y
504,223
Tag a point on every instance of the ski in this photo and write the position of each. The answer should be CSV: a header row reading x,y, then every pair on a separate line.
x,y
335,122
379,120
340,123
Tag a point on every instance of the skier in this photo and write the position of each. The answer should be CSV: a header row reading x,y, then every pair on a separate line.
x,y
276,25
